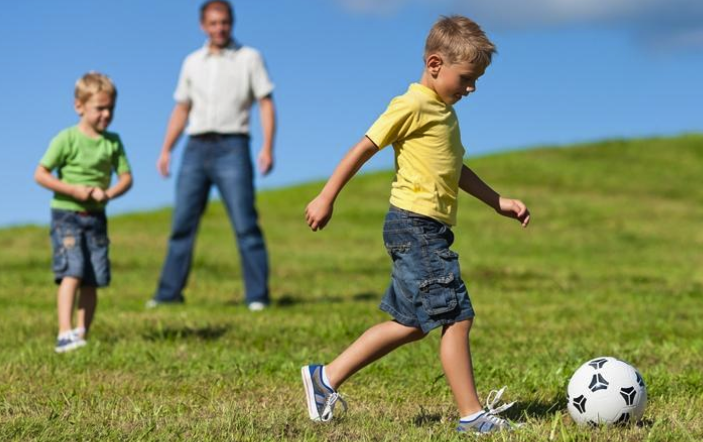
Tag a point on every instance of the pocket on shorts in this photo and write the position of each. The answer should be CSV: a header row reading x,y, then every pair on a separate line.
x,y
59,262
98,241
439,295
395,250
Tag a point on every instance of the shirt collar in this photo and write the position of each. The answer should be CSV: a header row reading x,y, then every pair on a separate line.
x,y
427,91
232,47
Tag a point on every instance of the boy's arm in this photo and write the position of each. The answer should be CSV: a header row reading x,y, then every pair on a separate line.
x,y
123,184
268,126
45,178
176,124
319,211
470,183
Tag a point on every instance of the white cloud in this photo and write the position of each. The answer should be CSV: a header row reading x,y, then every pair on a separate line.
x,y
661,22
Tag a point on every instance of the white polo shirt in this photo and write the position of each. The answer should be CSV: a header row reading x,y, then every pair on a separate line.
x,y
221,88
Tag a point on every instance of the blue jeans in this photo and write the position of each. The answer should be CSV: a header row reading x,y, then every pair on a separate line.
x,y
426,289
80,244
225,161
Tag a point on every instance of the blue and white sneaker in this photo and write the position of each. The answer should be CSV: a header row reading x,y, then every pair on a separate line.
x,y
68,342
78,333
321,398
488,421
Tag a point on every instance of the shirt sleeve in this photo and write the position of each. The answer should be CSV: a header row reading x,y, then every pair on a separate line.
x,y
182,93
119,158
261,84
55,155
395,123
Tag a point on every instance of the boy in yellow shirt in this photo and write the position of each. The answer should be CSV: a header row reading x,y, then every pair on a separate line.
x,y
426,289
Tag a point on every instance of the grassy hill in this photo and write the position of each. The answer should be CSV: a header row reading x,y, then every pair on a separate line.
x,y
611,265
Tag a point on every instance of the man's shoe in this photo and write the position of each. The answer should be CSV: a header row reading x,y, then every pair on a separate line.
x,y
256,306
153,303
321,398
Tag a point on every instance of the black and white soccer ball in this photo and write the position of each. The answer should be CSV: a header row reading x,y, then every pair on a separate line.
x,y
607,391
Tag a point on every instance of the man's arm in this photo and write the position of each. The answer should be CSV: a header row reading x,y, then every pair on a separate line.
x,y
319,211
470,183
176,125
268,125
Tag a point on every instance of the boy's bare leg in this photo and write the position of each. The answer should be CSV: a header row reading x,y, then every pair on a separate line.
x,y
456,361
376,342
87,303
65,298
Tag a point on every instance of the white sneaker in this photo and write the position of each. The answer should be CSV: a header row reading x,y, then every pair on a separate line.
x,y
489,421
68,343
256,306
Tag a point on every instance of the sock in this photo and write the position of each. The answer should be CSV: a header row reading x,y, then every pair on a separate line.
x,y
324,377
471,416
65,335
79,332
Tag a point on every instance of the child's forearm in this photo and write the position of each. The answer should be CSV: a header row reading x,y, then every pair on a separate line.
x,y
123,184
348,167
470,183
46,179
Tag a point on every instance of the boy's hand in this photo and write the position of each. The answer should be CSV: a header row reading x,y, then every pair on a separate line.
x,y
163,164
514,209
318,213
99,195
82,193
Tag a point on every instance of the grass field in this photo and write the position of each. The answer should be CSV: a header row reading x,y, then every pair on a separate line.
x,y
611,265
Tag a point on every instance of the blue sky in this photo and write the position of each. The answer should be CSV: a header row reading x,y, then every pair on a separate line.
x,y
567,71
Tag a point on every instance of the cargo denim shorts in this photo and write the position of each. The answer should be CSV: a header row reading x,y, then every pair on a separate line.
x,y
426,289
80,247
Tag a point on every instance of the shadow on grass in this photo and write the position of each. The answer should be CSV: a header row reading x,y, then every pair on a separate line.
x,y
519,412
425,418
291,300
209,333
536,409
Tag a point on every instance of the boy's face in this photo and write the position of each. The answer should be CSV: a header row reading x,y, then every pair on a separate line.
x,y
97,112
217,24
452,82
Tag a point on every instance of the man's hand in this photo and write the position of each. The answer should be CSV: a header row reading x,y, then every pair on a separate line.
x,y
513,208
82,193
265,162
163,164
318,213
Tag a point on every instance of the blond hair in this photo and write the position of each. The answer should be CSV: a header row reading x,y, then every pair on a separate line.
x,y
459,39
93,83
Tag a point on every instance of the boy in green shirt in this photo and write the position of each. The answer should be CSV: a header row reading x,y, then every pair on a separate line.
x,y
426,289
84,157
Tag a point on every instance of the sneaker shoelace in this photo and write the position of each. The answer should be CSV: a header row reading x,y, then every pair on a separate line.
x,y
492,412
331,402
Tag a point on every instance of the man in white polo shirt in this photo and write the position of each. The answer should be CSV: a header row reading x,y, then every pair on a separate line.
x,y
217,87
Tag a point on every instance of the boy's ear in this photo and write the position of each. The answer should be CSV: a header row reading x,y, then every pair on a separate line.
x,y
434,63
78,106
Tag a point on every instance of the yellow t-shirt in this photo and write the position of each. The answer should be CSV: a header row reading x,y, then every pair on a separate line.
x,y
424,132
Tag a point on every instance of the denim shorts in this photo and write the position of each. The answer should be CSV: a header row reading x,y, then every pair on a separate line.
x,y
426,290
80,247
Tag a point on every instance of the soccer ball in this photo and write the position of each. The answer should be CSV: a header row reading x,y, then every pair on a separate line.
x,y
607,391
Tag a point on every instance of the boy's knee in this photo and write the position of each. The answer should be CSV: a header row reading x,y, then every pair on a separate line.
x,y
461,326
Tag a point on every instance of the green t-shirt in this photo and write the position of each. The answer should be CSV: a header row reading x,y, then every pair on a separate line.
x,y
83,160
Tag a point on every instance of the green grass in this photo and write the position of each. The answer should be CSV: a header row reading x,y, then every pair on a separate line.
x,y
611,265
